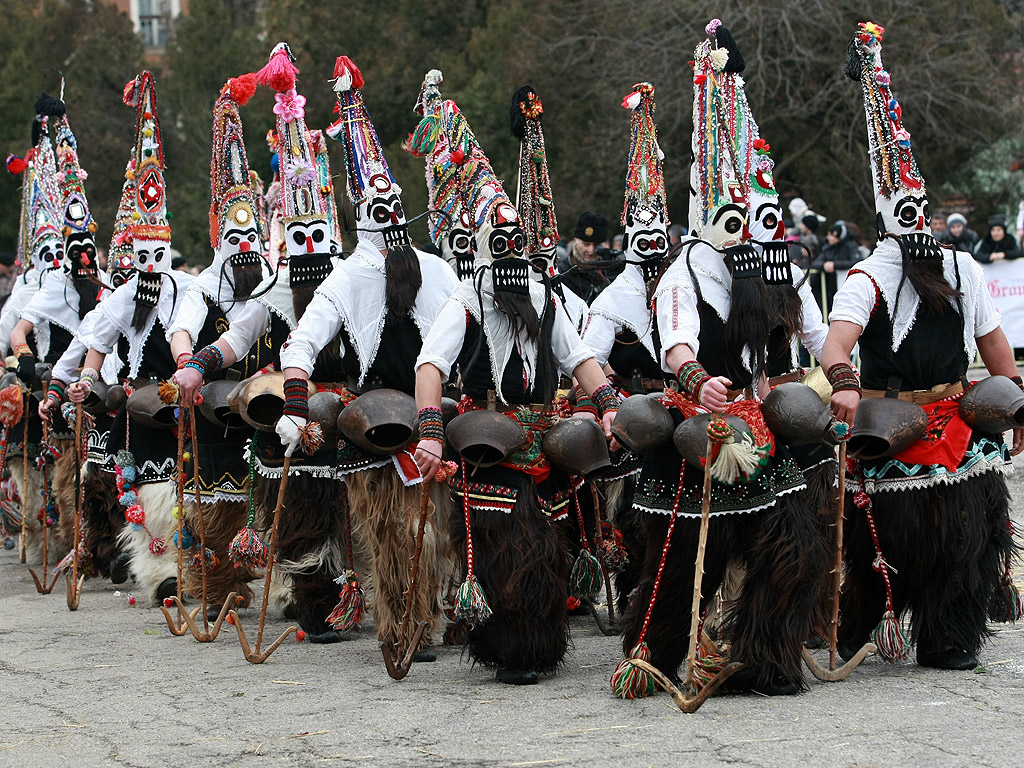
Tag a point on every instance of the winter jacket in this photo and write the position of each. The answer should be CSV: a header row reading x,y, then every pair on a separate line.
x,y
987,246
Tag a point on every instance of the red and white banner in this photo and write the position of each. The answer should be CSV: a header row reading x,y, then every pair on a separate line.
x,y
1006,284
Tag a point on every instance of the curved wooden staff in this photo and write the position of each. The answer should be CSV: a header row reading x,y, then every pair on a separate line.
x,y
833,675
690,702
180,627
399,660
610,628
206,634
256,655
74,581
41,586
23,546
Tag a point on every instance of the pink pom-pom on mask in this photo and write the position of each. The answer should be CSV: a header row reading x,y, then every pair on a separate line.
x,y
712,27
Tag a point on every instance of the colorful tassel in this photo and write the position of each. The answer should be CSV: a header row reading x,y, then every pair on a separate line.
x,y
311,437
188,540
1007,604
12,405
471,603
628,680
351,607
892,642
247,549
168,392
613,554
585,577
345,67
196,561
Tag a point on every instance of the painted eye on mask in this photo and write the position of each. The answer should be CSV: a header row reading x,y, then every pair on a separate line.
x,y
317,236
298,238
733,225
770,221
158,256
142,256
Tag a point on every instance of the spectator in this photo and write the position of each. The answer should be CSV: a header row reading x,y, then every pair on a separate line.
x,y
840,252
938,226
617,243
179,263
589,266
858,238
676,233
997,244
958,235
6,274
807,235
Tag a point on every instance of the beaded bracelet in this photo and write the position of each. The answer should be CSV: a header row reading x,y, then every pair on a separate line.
x,y
606,399
207,360
22,349
88,377
296,398
692,378
181,359
842,377
55,391
583,402
431,424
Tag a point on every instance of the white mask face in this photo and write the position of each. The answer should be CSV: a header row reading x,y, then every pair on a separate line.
x,y
905,215
49,252
766,222
727,226
457,247
308,237
152,255
380,218
238,235
646,235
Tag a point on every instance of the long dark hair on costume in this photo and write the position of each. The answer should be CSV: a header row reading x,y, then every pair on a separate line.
x,y
747,325
401,283
143,308
243,278
784,305
88,289
522,316
301,296
928,280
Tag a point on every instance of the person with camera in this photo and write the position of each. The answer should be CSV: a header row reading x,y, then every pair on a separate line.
x,y
590,265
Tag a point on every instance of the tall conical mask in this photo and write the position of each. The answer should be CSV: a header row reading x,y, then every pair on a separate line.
x,y
498,238
718,206
305,215
79,227
235,234
121,255
901,202
534,201
46,244
375,195
450,227
150,229
644,212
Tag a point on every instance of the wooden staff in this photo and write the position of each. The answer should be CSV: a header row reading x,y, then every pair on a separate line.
x,y
74,583
255,655
398,661
23,548
41,586
181,627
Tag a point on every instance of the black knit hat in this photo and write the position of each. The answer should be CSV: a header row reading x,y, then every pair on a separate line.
x,y
591,227
997,220
811,222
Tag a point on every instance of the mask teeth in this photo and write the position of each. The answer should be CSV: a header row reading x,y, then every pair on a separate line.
x,y
464,265
746,262
396,237
920,247
776,268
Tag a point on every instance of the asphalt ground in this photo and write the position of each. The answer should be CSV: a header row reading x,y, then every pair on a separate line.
x,y
108,685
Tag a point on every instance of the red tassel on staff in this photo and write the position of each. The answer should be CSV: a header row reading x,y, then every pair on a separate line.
x,y
241,88
279,73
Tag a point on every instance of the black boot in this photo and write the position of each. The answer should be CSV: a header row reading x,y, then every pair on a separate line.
x,y
517,676
950,658
168,588
119,569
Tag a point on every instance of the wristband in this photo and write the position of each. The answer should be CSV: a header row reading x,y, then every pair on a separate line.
x,y
55,391
22,349
88,377
842,377
606,399
207,360
692,378
583,402
431,424
181,359
296,398
1018,381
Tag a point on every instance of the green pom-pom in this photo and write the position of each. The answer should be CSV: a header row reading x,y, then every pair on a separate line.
x,y
890,639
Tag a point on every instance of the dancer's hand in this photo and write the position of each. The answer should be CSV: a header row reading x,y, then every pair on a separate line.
x,y
78,391
844,405
45,407
428,457
288,428
1018,441
189,381
714,395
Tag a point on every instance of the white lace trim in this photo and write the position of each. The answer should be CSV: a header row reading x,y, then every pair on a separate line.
x,y
930,481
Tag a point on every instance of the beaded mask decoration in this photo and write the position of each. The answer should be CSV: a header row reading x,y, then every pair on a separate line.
x,y
644,212
534,201
450,228
46,242
901,202
79,228
377,197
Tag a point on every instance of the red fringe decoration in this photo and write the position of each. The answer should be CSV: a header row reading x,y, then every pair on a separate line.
x,y
12,405
279,73
343,64
241,88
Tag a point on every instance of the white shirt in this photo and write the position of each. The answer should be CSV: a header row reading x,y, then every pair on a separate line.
x,y
442,346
